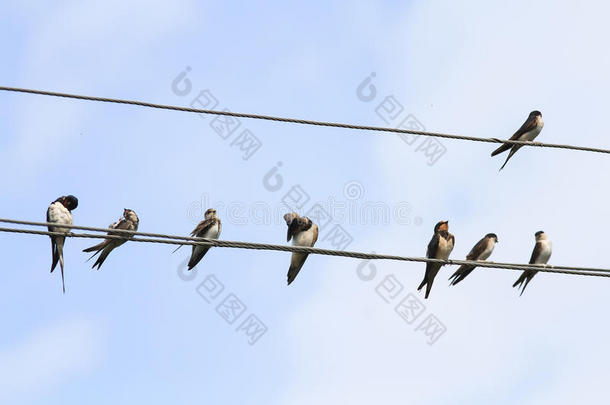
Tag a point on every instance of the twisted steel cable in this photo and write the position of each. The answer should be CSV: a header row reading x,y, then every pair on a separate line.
x,y
301,121
192,241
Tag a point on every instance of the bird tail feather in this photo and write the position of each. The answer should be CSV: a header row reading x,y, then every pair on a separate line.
x,y
460,274
296,263
429,288
54,252
501,149
197,255
97,247
59,247
102,257
520,280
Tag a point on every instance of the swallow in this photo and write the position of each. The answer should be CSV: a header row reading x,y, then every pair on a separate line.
x,y
209,228
528,132
440,247
60,212
303,232
540,255
129,222
481,251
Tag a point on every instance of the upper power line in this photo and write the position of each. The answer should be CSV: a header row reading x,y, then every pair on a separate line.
x,y
302,121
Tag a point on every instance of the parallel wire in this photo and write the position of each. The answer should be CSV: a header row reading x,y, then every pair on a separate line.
x,y
96,229
301,121
183,240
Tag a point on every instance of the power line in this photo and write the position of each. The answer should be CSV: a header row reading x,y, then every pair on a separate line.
x,y
183,240
96,229
301,121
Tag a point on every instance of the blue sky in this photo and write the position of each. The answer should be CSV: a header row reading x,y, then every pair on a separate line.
x,y
138,331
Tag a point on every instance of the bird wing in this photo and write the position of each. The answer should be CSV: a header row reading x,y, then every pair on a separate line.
x,y
433,247
292,221
203,226
55,256
536,252
315,235
477,250
528,125
124,224
297,225
49,217
121,224
290,217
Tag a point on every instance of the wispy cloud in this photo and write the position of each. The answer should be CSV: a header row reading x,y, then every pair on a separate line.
x,y
48,357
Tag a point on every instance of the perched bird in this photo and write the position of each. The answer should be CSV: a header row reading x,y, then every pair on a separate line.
x,y
209,228
540,255
303,232
440,247
60,212
528,132
128,222
481,251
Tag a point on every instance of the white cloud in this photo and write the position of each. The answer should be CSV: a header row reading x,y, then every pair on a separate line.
x,y
351,347
49,357
64,47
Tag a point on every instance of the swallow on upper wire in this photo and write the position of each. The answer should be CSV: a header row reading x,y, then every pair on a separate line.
x,y
481,251
303,232
129,221
440,247
540,255
528,132
209,228
60,212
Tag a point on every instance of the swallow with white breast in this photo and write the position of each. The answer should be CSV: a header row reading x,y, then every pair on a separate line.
x,y
528,132
60,212
303,232
209,228
129,222
440,247
540,255
481,251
